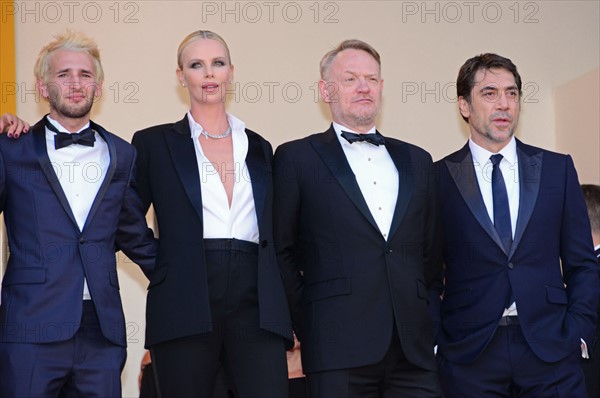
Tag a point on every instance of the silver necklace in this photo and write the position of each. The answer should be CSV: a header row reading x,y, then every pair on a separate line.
x,y
224,135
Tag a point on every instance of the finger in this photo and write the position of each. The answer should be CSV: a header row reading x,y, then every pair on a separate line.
x,y
11,130
17,128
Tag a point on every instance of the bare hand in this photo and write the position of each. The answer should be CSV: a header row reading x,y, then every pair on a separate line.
x,y
12,125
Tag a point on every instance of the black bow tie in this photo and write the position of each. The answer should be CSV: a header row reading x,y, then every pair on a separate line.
x,y
86,137
375,138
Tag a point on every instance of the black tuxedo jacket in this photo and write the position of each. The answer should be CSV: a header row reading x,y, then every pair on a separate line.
x,y
168,178
356,288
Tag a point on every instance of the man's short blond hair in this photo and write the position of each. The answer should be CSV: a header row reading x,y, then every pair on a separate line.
x,y
73,41
353,44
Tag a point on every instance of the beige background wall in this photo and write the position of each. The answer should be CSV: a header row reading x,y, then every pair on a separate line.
x,y
276,47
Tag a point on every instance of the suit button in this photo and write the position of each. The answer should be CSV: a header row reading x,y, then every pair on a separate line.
x,y
81,241
510,265
389,251
264,244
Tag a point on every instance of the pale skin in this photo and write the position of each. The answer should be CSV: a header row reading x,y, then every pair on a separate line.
x,y
70,87
206,71
353,87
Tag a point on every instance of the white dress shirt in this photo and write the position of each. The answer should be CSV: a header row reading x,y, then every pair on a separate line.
x,y
80,170
510,172
376,175
221,221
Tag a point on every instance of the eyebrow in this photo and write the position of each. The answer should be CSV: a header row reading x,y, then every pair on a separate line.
x,y
70,69
359,74
495,87
219,58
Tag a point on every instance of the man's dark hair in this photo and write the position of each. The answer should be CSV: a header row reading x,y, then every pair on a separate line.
x,y
591,193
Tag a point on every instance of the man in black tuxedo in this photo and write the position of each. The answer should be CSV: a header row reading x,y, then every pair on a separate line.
x,y
354,223
591,366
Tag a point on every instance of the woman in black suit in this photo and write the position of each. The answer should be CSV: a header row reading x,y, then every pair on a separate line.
x,y
216,297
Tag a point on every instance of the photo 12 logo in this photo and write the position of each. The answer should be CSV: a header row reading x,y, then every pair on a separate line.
x,y
70,11
470,11
270,11
118,92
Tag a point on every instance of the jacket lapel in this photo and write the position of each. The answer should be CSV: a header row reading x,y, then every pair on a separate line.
x,y
401,158
39,138
183,155
112,165
329,149
460,166
530,171
258,169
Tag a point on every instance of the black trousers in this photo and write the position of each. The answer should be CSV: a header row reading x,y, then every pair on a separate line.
x,y
254,360
392,377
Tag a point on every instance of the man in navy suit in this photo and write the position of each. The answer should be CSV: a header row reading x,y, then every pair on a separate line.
x,y
67,194
521,279
354,227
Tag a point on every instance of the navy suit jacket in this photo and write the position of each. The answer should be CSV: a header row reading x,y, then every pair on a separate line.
x,y
356,287
551,267
42,288
168,178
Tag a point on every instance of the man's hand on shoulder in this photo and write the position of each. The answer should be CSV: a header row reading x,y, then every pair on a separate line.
x,y
12,125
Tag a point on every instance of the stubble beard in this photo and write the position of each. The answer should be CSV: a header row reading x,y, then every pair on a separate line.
x,y
72,111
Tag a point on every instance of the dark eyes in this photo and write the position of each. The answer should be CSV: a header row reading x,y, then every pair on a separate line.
x,y
196,65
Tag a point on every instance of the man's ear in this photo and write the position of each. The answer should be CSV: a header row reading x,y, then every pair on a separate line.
x,y
42,88
328,91
98,94
464,106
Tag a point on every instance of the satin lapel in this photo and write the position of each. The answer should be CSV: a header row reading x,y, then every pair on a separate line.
x,y
258,169
462,171
399,154
332,154
39,138
112,165
183,156
530,172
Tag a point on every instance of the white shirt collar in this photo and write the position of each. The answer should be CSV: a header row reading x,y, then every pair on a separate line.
x,y
237,126
339,128
481,155
60,127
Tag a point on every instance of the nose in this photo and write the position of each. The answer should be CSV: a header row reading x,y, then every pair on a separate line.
x,y
363,86
503,100
209,72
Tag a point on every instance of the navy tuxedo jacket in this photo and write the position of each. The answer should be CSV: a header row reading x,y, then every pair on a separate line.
x,y
348,287
551,267
168,178
42,288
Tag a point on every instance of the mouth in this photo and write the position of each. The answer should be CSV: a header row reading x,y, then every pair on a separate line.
x,y
76,97
502,121
210,87
363,101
